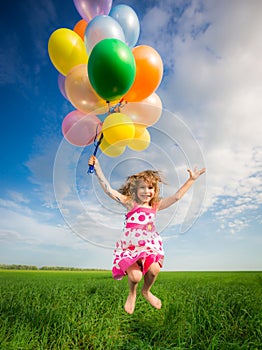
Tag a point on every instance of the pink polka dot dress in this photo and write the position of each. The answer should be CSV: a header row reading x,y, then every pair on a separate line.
x,y
139,241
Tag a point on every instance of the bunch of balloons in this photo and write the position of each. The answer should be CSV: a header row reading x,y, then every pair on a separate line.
x,y
100,66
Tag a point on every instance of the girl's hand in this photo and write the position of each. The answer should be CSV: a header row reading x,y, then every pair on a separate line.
x,y
92,160
195,173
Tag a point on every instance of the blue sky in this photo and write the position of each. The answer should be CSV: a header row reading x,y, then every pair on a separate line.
x,y
53,213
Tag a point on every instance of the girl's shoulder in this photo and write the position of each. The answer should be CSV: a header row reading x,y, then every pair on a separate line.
x,y
129,204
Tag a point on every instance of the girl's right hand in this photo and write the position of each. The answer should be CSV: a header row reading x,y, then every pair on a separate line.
x,y
92,160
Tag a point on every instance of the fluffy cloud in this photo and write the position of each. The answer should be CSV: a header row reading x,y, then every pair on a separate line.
x,y
213,81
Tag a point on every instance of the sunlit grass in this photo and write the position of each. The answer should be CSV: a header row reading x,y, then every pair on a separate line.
x,y
84,310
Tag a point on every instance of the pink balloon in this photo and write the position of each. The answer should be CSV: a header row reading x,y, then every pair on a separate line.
x,y
61,84
146,112
89,9
81,129
80,92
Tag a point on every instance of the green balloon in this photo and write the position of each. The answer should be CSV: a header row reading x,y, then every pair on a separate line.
x,y
111,69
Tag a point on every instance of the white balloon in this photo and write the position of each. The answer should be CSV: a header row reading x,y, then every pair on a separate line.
x,y
102,27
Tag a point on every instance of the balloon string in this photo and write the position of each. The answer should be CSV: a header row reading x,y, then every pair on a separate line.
x,y
113,109
91,168
116,108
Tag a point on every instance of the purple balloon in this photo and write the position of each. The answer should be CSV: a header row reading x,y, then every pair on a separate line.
x,y
89,9
61,85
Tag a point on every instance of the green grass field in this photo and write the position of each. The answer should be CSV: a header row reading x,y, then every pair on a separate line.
x,y
84,310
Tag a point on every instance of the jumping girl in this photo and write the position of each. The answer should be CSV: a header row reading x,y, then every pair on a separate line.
x,y
139,252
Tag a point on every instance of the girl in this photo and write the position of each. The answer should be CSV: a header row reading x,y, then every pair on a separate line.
x,y
139,252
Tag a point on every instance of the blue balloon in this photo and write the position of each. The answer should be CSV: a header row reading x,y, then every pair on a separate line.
x,y
129,22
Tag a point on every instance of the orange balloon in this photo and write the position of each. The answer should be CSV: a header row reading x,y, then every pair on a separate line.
x,y
80,28
80,92
149,73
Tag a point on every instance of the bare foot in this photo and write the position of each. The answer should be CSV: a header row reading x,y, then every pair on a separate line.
x,y
152,299
130,303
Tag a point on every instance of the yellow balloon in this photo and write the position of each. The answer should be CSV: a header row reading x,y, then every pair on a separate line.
x,y
140,141
139,130
118,128
111,150
66,49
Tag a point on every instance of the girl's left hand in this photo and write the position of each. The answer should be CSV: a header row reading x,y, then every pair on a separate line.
x,y
195,173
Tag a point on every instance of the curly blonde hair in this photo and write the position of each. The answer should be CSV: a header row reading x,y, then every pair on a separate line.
x,y
150,177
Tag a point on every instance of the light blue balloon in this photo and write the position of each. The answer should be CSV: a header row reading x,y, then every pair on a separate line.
x,y
129,22
100,28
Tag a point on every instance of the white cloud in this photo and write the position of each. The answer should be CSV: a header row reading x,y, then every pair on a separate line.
x,y
37,237
19,222
214,53
9,235
18,197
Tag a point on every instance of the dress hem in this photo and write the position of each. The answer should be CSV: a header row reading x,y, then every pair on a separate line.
x,y
147,261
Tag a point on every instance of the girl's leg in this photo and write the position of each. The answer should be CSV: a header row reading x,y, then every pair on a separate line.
x,y
134,277
149,280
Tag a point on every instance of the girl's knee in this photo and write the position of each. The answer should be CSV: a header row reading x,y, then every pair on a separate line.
x,y
154,269
134,273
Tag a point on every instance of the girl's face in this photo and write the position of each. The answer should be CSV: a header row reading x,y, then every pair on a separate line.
x,y
145,192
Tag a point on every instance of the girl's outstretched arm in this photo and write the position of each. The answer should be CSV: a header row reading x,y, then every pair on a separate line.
x,y
168,201
117,196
